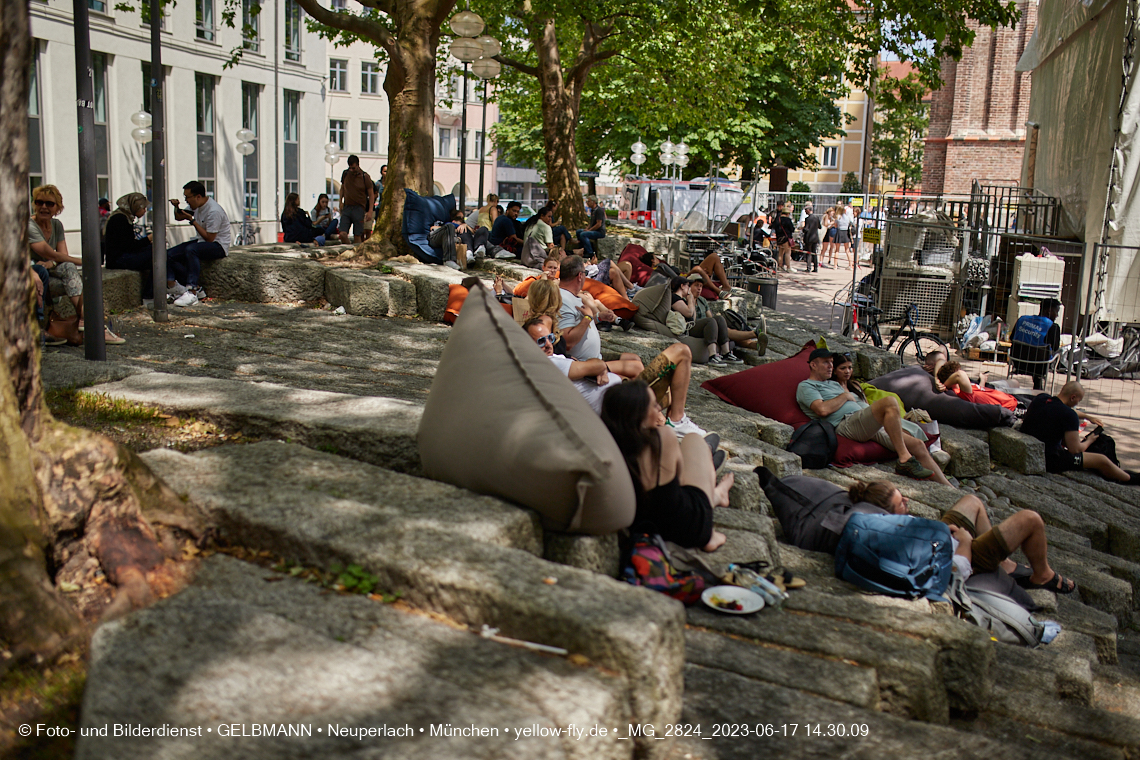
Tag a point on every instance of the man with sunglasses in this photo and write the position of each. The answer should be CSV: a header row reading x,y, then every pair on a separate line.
x,y
592,377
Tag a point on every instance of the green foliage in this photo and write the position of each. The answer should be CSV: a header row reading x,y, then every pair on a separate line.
x,y
851,184
351,579
901,125
799,187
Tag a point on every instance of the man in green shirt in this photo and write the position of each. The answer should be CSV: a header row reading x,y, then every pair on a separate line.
x,y
820,397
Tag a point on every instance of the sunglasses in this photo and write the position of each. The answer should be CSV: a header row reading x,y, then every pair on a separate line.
x,y
45,204
545,340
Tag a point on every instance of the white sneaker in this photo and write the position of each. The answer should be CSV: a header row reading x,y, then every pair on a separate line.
x,y
684,426
177,290
201,293
186,299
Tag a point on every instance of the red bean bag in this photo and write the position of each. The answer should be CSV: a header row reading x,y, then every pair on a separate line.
x,y
770,390
641,271
456,295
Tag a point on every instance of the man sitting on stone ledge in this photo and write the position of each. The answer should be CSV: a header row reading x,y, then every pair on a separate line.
x,y
579,316
820,397
1053,421
980,546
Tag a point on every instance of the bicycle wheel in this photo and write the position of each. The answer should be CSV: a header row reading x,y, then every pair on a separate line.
x,y
915,348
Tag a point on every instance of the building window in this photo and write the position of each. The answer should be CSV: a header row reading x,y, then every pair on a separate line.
x,y
292,137
204,87
338,133
250,119
369,134
100,6
292,30
444,143
338,75
204,19
338,5
369,78
830,156
251,25
35,134
479,146
102,160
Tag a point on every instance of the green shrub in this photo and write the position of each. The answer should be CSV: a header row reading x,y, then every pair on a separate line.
x,y
851,184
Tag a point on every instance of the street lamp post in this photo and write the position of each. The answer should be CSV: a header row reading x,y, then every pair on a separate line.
x,y
637,158
466,48
486,68
245,147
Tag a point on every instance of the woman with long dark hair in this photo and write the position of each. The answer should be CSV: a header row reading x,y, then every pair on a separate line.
x,y
322,217
296,224
674,480
841,371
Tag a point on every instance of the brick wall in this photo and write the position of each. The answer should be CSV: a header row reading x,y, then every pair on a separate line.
x,y
977,118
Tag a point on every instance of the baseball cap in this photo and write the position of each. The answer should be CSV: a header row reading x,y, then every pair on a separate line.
x,y
819,353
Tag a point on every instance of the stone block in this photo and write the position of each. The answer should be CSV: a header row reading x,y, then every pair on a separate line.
x,y
969,457
611,246
363,292
632,631
263,278
746,494
401,298
598,554
246,645
908,669
432,284
371,429
1074,518
1015,449
833,679
63,369
781,463
121,291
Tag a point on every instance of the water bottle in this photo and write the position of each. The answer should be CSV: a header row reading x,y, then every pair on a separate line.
x,y
771,594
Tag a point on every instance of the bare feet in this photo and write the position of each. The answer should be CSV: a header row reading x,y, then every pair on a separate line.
x,y
720,494
715,542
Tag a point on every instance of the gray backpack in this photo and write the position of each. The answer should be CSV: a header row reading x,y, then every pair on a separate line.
x,y
1004,619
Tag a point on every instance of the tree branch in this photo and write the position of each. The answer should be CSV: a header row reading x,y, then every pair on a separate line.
x,y
350,22
519,66
583,66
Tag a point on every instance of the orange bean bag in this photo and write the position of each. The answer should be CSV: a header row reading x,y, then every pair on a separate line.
x,y
456,295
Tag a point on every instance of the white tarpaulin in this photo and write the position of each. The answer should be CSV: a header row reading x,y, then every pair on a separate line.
x,y
1077,56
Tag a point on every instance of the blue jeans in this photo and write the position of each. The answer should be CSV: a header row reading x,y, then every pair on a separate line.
x,y
558,232
184,262
587,239
42,272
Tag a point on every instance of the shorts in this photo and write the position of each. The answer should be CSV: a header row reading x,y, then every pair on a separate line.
x,y
71,276
842,237
352,220
988,550
862,426
831,233
1060,460
659,375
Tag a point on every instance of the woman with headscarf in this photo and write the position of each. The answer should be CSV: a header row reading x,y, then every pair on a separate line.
x,y
125,246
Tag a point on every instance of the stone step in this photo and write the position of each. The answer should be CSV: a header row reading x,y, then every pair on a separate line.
x,y
908,669
376,430
433,286
121,291
263,278
245,645
1015,449
367,293
438,566
969,457
804,726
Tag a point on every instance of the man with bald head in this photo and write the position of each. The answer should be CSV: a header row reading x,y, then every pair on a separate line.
x,y
1054,421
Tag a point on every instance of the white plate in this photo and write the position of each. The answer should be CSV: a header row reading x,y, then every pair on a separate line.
x,y
749,601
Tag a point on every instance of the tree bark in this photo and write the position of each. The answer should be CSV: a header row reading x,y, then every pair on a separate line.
x,y
561,102
410,86
66,494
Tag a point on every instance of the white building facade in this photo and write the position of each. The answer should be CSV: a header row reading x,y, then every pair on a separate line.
x,y
277,90
358,123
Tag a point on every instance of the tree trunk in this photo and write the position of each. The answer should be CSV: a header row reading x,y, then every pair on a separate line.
x,y
410,86
561,101
66,495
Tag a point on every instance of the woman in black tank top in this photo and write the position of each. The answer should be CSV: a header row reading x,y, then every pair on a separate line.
x,y
675,481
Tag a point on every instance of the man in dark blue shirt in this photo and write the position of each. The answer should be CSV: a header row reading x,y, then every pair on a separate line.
x,y
1036,340
503,230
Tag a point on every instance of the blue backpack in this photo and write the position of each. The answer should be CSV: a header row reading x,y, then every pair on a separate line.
x,y
896,555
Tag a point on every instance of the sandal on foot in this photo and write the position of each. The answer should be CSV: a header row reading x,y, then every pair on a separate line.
x,y
1021,574
1058,584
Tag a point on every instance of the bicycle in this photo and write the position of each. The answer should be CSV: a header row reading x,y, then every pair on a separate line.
x,y
247,233
864,327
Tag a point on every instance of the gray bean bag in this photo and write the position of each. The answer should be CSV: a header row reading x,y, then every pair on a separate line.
x,y
916,389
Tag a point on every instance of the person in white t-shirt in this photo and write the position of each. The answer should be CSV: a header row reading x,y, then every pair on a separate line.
x,y
578,317
592,377
184,262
